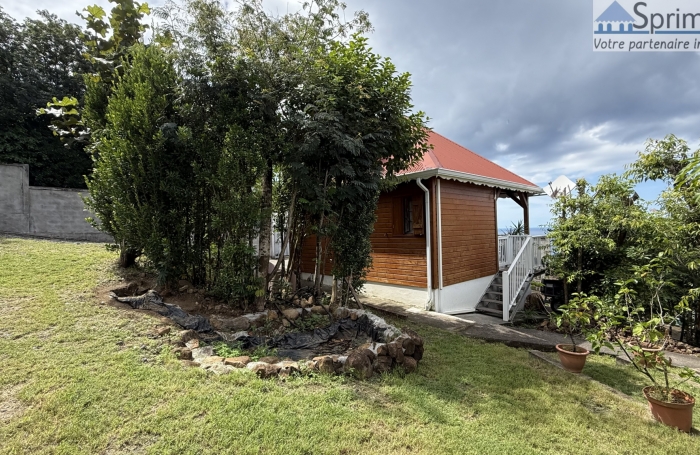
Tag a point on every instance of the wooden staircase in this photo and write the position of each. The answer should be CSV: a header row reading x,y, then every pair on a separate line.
x,y
491,302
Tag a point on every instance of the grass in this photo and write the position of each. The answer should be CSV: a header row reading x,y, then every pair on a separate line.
x,y
77,377
627,379
224,349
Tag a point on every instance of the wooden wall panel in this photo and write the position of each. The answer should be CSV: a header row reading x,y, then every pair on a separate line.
x,y
469,244
397,258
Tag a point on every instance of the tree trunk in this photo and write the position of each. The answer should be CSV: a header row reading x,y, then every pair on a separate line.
x,y
317,267
334,291
265,235
127,256
580,270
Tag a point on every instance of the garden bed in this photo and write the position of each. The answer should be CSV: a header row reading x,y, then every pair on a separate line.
x,y
281,343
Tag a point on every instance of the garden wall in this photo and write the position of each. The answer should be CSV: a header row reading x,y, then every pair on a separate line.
x,y
55,213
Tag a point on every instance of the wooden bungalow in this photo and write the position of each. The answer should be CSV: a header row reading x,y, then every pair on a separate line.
x,y
435,241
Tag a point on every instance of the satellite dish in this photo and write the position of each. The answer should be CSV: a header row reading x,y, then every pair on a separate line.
x,y
561,186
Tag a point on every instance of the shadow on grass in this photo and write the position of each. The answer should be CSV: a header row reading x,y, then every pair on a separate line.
x,y
470,386
621,377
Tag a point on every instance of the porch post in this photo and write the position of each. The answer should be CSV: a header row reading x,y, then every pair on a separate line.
x,y
526,212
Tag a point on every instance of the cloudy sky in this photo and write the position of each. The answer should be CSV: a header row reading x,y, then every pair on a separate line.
x,y
517,82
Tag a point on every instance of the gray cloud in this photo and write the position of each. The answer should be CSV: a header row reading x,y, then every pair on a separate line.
x,y
518,82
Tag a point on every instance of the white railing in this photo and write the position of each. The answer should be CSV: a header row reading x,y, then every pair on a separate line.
x,y
542,247
510,245
517,275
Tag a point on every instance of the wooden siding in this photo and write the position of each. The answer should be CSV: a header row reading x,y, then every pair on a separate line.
x,y
469,237
397,258
469,242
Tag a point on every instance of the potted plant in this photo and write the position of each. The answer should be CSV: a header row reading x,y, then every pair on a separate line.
x,y
644,350
573,317
668,404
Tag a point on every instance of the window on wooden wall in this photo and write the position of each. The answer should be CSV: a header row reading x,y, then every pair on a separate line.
x,y
417,215
408,215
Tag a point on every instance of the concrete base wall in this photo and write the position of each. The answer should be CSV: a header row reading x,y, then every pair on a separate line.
x,y
461,297
411,296
456,299
43,212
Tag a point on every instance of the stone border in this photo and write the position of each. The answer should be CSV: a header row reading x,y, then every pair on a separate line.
x,y
403,348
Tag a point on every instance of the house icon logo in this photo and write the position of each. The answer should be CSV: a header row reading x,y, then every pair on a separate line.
x,y
616,20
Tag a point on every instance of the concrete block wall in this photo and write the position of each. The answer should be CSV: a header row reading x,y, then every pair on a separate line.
x,y
14,198
55,213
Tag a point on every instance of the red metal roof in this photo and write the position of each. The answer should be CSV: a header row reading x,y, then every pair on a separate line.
x,y
451,156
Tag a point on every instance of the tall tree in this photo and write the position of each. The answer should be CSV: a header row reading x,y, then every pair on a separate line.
x,y
39,59
358,130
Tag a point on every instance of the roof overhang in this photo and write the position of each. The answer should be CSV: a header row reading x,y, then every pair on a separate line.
x,y
475,179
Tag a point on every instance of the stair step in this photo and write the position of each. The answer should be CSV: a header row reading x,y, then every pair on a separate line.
x,y
494,292
492,301
491,312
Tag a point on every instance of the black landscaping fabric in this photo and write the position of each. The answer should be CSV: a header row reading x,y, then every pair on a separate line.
x,y
343,329
153,302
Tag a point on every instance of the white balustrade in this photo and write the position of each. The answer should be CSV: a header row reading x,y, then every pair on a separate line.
x,y
521,256
517,275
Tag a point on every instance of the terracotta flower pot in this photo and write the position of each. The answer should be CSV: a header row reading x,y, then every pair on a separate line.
x,y
678,415
572,361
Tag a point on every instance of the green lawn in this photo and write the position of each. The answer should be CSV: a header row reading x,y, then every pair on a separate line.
x,y
80,377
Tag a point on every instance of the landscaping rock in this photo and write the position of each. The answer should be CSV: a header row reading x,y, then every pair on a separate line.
x,y
187,335
272,315
369,353
286,323
288,368
200,353
220,368
162,331
259,368
269,359
417,339
398,350
409,346
359,365
263,370
291,313
189,363
183,353
381,349
410,364
353,315
211,360
184,288
339,362
392,349
237,362
382,364
192,344
418,353
318,309
341,313
325,364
